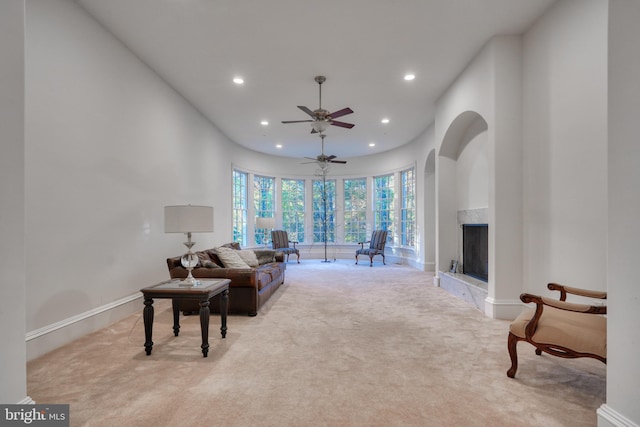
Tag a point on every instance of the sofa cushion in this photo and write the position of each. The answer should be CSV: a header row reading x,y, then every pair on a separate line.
x,y
230,258
249,257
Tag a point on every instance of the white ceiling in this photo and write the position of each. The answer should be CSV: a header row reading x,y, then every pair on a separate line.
x,y
363,47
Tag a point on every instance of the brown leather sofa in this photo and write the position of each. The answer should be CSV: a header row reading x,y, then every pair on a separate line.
x,y
249,289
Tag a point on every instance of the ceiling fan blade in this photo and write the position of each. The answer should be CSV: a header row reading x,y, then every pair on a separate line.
x,y
296,121
341,113
306,110
314,131
338,161
310,158
342,124
331,157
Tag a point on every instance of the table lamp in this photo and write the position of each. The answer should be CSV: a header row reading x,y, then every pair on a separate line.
x,y
265,224
188,219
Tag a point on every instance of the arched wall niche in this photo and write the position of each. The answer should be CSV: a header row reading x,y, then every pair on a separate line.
x,y
463,198
462,130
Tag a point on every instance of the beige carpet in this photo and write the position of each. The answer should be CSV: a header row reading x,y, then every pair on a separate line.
x,y
337,345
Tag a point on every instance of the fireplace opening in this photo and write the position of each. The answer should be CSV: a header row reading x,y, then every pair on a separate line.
x,y
475,251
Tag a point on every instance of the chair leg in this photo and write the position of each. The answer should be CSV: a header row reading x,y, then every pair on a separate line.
x,y
298,258
511,344
356,258
383,259
370,260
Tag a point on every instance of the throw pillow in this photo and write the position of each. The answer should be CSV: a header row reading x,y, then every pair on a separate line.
x,y
210,264
265,256
232,245
230,258
249,257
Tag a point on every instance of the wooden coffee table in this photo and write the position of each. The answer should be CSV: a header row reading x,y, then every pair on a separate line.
x,y
206,290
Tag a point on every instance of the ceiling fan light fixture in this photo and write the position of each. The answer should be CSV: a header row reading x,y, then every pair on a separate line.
x,y
319,126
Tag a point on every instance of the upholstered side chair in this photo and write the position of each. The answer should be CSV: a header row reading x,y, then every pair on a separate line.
x,y
281,243
376,246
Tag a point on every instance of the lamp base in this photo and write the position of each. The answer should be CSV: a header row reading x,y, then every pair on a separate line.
x,y
190,280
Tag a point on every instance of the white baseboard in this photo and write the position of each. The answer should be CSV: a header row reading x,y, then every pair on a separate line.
x,y
50,337
609,417
502,309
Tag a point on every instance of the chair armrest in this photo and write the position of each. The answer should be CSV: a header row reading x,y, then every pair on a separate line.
x,y
564,290
294,243
362,243
562,305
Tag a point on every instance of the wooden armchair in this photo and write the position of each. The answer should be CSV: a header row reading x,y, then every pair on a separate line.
x,y
376,246
561,328
280,242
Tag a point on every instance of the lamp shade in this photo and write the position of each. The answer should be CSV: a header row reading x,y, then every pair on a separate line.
x,y
188,219
262,222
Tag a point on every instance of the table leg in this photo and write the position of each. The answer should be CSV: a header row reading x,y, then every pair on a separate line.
x,y
147,315
224,304
204,325
176,317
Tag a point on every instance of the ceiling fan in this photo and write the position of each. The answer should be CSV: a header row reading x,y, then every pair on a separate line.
x,y
323,159
322,118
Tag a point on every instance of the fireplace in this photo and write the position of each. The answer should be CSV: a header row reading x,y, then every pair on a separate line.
x,y
475,251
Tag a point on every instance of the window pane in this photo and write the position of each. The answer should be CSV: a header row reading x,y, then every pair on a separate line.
x,y
240,207
263,202
384,207
324,190
408,208
355,210
293,208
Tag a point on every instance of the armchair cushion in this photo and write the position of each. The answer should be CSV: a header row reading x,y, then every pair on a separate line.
x,y
581,332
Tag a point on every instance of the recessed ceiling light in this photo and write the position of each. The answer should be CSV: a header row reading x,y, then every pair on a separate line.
x,y
372,144
409,77
385,121
238,80
278,145
264,123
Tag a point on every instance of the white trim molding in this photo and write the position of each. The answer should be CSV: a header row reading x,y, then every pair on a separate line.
x,y
502,309
50,337
80,317
609,417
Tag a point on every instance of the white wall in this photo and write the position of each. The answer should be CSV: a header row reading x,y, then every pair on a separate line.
x,y
108,144
472,174
623,343
489,87
13,375
565,147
